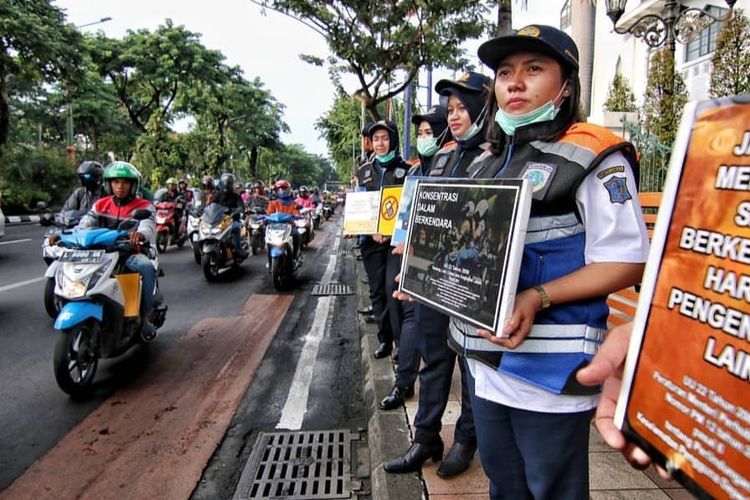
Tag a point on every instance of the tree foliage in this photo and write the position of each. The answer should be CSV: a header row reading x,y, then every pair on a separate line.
x,y
35,44
340,127
374,40
731,59
619,96
665,97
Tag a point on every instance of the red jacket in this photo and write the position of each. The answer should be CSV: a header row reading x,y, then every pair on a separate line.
x,y
108,213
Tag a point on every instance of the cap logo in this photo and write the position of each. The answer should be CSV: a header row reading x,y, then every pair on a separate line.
x,y
529,31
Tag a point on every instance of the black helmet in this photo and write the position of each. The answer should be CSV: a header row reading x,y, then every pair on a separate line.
x,y
303,191
227,182
207,182
258,185
90,173
248,185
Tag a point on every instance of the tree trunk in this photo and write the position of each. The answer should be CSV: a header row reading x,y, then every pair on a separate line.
x,y
4,108
504,17
254,162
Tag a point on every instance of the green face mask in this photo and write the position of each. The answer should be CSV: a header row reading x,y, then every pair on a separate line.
x,y
509,123
386,157
427,146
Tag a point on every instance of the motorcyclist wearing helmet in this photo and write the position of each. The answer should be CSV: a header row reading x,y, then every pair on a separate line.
x,y
182,188
257,199
209,189
304,199
247,193
122,180
315,196
173,194
286,204
82,198
233,201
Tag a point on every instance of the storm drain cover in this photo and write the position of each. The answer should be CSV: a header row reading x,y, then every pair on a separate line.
x,y
332,289
298,465
341,251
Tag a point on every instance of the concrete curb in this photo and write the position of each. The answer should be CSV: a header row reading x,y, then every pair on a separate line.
x,y
21,219
388,432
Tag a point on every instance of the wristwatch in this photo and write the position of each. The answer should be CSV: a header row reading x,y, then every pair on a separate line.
x,y
543,295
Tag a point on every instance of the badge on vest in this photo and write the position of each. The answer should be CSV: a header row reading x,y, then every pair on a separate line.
x,y
439,165
399,173
366,176
540,175
617,187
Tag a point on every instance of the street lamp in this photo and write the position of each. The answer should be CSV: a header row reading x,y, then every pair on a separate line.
x,y
676,22
71,148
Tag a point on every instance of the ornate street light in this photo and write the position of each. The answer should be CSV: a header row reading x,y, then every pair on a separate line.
x,y
676,22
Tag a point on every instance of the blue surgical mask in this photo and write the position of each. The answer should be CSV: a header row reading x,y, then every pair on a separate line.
x,y
427,146
386,157
544,113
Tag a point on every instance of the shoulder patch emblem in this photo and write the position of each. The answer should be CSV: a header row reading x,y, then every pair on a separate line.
x,y
618,190
611,170
399,173
539,174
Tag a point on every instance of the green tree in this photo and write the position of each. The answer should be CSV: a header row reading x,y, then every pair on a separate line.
x,y
341,129
665,98
372,40
35,44
619,96
731,59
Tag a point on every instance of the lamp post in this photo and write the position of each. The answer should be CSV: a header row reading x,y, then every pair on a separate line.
x,y
674,23
71,149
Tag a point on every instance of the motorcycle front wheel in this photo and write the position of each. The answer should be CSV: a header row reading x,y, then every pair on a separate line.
x,y
75,361
210,264
162,241
51,302
277,273
197,253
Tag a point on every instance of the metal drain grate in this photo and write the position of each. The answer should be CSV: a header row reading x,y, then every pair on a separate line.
x,y
298,465
332,289
341,251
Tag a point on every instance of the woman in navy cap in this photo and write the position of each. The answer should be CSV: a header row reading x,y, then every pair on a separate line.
x,y
432,135
586,238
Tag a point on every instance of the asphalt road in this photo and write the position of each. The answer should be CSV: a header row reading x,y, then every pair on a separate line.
x,y
35,415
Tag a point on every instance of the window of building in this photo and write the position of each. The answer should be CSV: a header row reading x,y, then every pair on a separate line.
x,y
706,42
565,19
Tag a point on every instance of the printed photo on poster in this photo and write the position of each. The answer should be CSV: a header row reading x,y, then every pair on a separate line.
x,y
463,247
684,397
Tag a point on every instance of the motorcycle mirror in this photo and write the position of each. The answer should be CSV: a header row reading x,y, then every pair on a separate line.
x,y
41,205
45,220
141,214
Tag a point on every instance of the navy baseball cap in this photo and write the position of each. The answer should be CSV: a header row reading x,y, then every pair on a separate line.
x,y
532,38
471,81
434,115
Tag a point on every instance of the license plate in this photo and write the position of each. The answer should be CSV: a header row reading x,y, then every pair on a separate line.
x,y
82,256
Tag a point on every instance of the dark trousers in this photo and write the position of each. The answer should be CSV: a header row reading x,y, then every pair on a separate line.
x,y
374,258
408,347
529,454
394,306
435,380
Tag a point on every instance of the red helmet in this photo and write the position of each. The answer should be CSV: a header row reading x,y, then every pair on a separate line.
x,y
281,184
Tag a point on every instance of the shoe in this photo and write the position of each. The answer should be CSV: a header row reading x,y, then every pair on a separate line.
x,y
396,397
415,456
457,460
370,318
366,310
382,351
148,332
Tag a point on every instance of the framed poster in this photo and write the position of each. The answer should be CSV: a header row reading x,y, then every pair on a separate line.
x,y
685,396
464,246
361,212
389,203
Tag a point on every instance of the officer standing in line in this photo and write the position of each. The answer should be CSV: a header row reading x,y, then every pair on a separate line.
x,y
432,134
466,98
385,169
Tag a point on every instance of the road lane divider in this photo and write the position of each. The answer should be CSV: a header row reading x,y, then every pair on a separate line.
x,y
14,241
22,283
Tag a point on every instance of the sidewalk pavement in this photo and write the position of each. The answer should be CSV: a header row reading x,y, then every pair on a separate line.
x,y
389,435
21,219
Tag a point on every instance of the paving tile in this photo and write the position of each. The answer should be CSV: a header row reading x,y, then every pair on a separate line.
x,y
679,494
596,443
660,482
610,471
629,495
462,496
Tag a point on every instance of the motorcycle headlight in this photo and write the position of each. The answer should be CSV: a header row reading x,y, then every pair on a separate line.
x,y
72,289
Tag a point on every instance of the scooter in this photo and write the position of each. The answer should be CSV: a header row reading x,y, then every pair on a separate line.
x,y
256,222
317,216
168,229
62,221
327,210
100,316
305,227
215,242
283,255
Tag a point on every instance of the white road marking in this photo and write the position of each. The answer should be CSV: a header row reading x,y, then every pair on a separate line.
x,y
14,241
21,283
296,401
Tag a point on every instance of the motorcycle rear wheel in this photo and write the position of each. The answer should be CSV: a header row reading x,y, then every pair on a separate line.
x,y
51,303
210,264
75,362
162,242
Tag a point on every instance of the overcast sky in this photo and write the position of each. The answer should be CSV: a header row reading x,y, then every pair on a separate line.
x,y
266,46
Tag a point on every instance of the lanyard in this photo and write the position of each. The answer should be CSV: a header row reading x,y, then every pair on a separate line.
x,y
505,163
